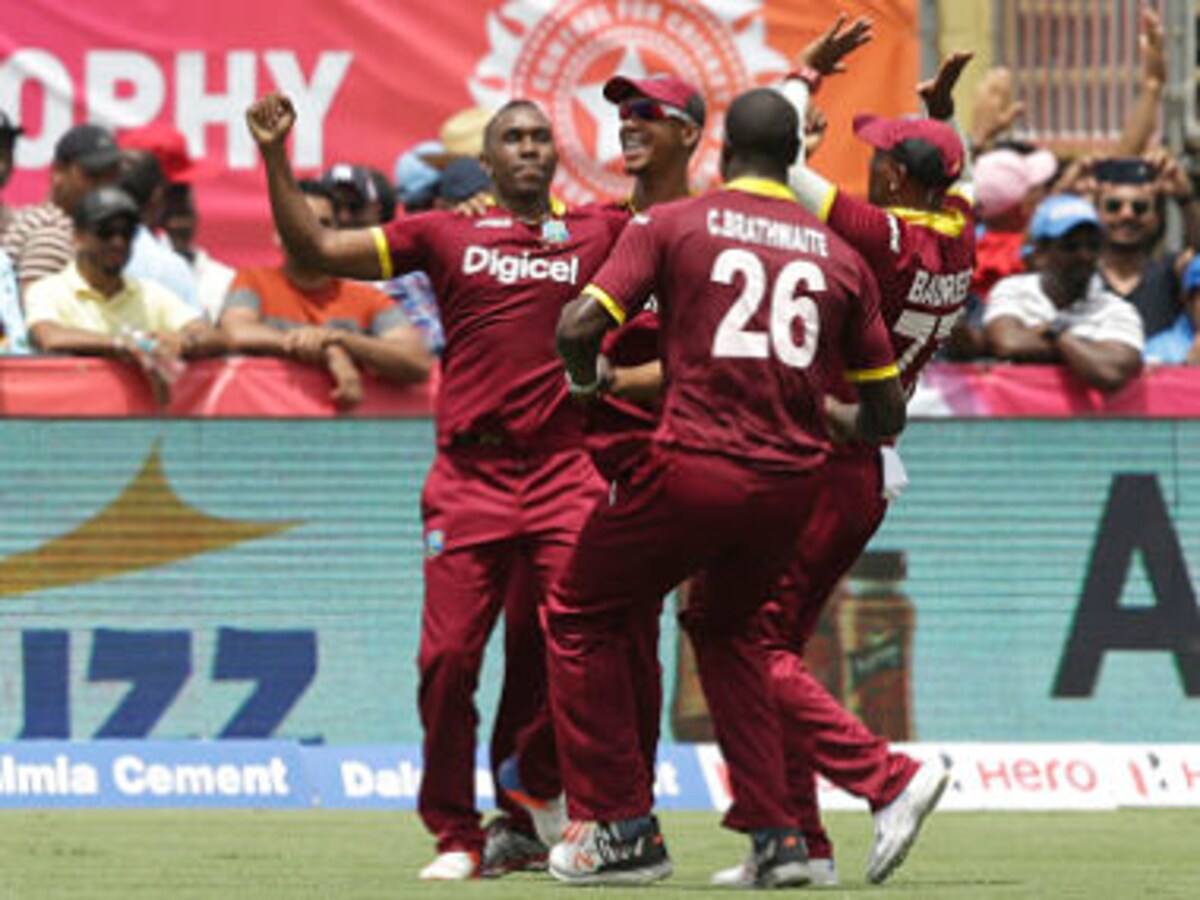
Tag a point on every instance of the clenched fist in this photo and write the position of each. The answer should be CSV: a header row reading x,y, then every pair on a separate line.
x,y
270,118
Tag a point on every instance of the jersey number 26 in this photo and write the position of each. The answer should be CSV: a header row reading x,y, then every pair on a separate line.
x,y
735,339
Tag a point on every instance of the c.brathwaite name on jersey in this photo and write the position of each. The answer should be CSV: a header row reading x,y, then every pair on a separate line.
x,y
737,226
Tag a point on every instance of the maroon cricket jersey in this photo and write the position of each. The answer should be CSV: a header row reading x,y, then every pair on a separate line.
x,y
923,262
758,302
501,284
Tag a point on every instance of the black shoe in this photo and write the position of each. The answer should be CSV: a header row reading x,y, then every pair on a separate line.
x,y
626,852
508,849
780,858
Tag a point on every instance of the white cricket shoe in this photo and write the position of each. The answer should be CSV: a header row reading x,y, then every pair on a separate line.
x,y
628,852
821,873
898,824
453,865
549,816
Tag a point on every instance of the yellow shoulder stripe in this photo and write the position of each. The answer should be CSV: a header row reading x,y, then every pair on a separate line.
x,y
858,376
610,305
385,255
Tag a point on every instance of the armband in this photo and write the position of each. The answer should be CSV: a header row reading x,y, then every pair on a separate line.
x,y
809,76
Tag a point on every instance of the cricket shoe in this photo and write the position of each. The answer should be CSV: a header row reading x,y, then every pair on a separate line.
x,y
453,865
509,849
631,851
549,815
821,873
779,857
898,824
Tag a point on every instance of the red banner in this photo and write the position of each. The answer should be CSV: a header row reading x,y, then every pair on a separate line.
x,y
373,79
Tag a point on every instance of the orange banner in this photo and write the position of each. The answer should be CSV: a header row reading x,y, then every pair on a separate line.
x,y
372,79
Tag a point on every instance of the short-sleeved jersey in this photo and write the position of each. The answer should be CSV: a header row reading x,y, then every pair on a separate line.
x,y
758,303
280,303
501,285
923,262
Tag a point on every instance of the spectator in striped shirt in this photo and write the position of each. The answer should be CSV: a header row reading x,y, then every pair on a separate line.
x,y
41,239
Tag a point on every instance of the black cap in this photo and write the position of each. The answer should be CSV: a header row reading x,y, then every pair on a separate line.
x,y
91,146
8,127
462,179
103,204
356,177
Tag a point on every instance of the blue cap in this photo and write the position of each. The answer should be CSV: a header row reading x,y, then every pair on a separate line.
x,y
1057,215
1191,275
416,178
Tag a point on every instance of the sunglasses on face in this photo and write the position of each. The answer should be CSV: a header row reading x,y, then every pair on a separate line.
x,y
1089,244
652,111
109,230
1114,205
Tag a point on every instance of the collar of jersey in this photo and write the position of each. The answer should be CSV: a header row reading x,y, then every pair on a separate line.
x,y
557,207
763,187
949,222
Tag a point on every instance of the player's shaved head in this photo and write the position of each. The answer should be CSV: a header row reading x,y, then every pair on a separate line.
x,y
761,133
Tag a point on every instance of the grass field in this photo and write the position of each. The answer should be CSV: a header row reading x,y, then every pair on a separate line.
x,y
90,855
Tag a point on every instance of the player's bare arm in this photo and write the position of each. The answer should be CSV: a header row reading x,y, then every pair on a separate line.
x,y
937,93
349,253
882,413
580,329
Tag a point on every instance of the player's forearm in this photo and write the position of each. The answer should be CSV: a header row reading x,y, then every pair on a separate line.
x,y
814,192
294,220
882,412
580,331
639,384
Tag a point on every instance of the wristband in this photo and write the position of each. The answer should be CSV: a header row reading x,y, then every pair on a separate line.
x,y
584,390
809,76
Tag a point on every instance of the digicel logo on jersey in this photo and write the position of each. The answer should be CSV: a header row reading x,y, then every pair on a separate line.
x,y
509,268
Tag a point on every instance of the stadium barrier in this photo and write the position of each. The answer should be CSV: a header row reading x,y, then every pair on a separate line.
x,y
246,563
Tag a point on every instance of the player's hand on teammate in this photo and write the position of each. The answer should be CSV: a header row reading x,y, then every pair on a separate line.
x,y
827,52
270,118
937,93
478,205
816,125
841,420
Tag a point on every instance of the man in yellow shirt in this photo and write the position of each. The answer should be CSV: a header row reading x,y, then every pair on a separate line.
x,y
92,309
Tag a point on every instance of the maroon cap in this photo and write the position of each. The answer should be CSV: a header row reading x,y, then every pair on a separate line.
x,y
169,147
930,150
663,88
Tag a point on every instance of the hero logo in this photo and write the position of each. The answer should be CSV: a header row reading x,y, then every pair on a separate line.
x,y
509,268
561,54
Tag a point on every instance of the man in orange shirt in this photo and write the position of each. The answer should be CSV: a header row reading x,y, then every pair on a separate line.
x,y
298,313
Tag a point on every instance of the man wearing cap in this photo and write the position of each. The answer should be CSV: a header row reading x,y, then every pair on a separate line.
x,y
40,241
91,308
1178,345
916,233
9,132
176,214
662,121
1063,313
356,202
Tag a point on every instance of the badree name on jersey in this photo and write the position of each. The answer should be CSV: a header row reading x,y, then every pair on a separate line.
x,y
939,290
738,226
509,268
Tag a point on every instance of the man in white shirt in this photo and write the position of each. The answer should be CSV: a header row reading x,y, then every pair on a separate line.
x,y
1062,313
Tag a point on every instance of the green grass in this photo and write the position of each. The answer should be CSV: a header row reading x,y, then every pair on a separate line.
x,y
95,855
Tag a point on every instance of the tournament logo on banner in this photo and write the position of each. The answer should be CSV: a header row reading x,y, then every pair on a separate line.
x,y
561,54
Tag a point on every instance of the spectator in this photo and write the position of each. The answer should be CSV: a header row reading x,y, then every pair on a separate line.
x,y
92,308
1132,200
13,341
1177,345
9,132
141,177
1009,183
357,202
299,313
1064,313
417,176
462,133
387,195
177,216
41,239
462,179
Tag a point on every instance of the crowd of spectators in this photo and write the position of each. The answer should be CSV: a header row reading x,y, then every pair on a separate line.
x,y
1134,281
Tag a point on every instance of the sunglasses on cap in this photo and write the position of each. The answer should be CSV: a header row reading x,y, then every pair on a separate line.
x,y
1137,207
109,230
652,111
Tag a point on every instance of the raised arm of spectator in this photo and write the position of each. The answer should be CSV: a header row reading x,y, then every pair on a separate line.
x,y
995,109
1175,183
1143,117
348,252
